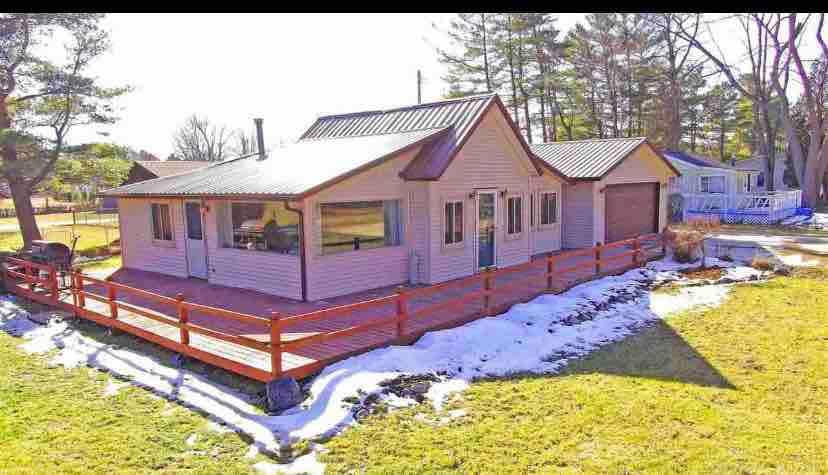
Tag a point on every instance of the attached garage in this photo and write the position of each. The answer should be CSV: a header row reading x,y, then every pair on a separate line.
x,y
617,189
631,210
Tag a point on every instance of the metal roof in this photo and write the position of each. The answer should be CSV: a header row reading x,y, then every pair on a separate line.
x,y
586,159
699,161
171,167
461,114
289,171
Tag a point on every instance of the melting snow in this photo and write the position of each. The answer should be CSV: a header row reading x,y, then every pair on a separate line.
x,y
538,337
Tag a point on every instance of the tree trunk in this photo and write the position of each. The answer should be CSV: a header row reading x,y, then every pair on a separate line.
x,y
22,197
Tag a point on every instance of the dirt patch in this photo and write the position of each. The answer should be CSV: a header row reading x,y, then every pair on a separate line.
x,y
709,273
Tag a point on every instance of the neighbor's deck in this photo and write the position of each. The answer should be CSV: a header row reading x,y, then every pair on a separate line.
x,y
311,338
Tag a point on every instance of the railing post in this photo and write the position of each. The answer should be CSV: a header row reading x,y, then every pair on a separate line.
x,y
31,271
598,258
275,345
53,283
81,297
488,284
113,305
183,319
402,310
637,251
550,268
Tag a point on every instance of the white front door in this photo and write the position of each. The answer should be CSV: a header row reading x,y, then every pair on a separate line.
x,y
486,225
196,248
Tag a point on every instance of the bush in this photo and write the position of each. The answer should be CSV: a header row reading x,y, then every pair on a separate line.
x,y
685,245
761,263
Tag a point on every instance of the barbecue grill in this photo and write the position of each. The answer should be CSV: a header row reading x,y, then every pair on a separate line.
x,y
52,253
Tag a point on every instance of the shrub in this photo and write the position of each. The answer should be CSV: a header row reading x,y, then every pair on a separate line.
x,y
685,245
761,263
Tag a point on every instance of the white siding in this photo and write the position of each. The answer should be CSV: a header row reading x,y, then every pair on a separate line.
x,y
140,251
491,159
546,238
268,272
347,272
578,215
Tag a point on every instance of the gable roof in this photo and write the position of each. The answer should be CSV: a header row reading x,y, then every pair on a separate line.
x,y
697,160
756,164
170,167
590,159
291,171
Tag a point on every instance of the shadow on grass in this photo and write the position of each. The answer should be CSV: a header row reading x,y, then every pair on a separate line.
x,y
657,352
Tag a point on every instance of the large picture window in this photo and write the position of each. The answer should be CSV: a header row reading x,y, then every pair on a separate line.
x,y
360,225
712,184
453,222
264,226
161,222
514,222
548,208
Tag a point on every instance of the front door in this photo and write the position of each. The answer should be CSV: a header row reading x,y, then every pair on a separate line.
x,y
486,219
196,250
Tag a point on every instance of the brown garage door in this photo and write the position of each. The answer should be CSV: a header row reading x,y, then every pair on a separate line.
x,y
631,210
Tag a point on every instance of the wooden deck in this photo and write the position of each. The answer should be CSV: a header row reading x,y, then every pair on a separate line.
x,y
234,328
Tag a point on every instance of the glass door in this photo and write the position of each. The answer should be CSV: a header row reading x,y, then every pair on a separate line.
x,y
486,221
196,250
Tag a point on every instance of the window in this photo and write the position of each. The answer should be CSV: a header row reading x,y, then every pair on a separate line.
x,y
360,225
453,222
712,184
760,180
264,226
531,211
549,208
514,224
746,183
161,222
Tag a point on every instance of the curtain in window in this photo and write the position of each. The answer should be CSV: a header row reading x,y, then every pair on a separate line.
x,y
391,212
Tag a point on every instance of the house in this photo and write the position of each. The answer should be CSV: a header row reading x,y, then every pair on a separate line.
x,y
618,188
142,170
734,194
757,168
418,194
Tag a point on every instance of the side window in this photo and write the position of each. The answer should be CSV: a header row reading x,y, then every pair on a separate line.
x,y
514,207
549,208
161,222
453,222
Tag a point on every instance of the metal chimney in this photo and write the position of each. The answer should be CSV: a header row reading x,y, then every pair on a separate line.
x,y
260,138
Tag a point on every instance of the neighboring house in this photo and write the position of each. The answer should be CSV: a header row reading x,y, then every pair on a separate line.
x,y
711,187
619,188
757,168
143,170
419,194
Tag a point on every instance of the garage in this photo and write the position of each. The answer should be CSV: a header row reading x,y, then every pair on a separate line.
x,y
631,210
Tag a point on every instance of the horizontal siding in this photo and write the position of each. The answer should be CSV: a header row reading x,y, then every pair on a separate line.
x,y
339,274
489,159
578,215
268,272
546,238
139,250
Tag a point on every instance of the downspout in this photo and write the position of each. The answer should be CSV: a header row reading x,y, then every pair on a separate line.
x,y
303,272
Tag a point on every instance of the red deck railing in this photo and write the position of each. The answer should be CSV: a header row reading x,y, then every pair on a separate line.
x,y
400,317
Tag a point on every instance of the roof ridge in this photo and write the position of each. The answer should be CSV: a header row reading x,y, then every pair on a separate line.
x,y
611,139
409,107
336,137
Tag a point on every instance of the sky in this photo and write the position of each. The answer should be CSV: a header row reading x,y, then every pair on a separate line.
x,y
285,68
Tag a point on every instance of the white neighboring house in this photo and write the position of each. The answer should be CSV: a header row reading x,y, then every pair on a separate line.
x,y
757,167
736,195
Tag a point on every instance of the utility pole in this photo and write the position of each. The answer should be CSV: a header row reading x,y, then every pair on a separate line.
x,y
419,87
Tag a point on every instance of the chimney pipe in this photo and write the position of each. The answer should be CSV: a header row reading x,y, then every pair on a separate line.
x,y
260,138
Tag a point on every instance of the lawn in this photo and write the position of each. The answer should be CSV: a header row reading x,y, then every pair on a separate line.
x,y
47,220
740,388
92,238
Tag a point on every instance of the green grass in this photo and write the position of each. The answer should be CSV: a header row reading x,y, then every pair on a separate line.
x,y
740,388
47,220
54,420
93,239
114,262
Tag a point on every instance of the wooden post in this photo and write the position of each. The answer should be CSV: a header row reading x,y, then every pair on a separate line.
x,y
33,272
275,345
402,311
550,268
53,283
637,250
183,319
113,306
598,258
79,286
488,284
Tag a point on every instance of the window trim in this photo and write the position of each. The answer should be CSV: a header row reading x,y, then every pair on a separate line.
x,y
162,242
701,179
514,235
557,220
462,242
226,228
317,224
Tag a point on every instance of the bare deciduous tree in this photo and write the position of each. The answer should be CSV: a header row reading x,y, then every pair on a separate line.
x,y
199,139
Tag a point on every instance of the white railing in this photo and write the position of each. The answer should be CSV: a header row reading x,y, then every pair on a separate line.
x,y
759,201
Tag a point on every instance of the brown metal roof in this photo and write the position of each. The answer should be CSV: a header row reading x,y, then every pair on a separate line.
x,y
590,159
291,171
171,167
